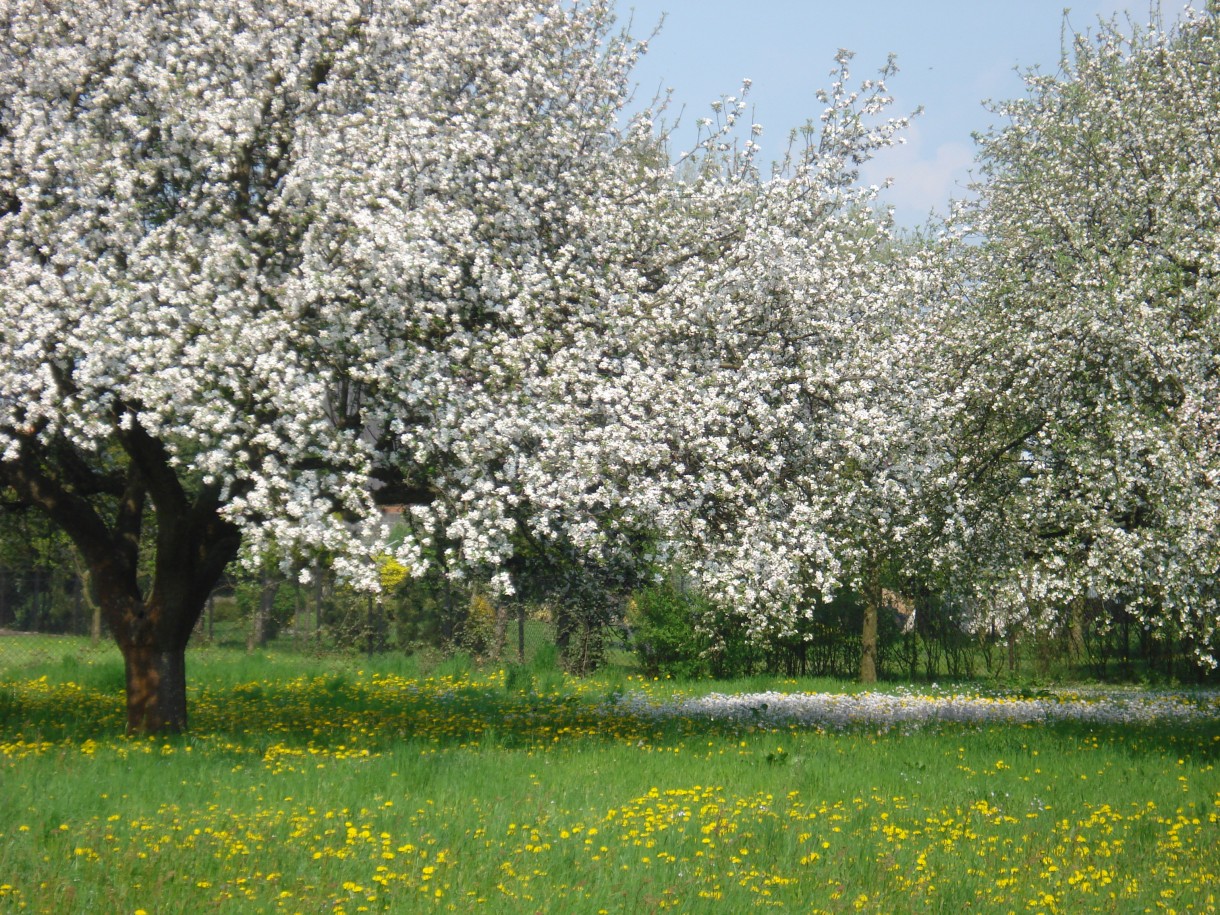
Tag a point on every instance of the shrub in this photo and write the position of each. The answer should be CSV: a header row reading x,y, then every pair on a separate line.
x,y
662,619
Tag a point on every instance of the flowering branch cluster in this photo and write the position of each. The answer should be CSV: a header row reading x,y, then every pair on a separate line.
x,y
271,265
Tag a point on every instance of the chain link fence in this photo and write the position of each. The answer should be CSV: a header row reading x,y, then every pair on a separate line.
x,y
46,617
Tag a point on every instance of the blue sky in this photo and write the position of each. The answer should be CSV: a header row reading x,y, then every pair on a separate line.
x,y
951,54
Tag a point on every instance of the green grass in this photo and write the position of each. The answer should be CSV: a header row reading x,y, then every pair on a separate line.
x,y
26,651
387,785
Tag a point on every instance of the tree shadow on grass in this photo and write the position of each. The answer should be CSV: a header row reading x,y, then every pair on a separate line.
x,y
379,714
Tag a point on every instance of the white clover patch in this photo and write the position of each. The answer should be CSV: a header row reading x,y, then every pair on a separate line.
x,y
907,709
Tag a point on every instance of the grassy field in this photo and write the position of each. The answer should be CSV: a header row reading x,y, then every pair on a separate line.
x,y
331,786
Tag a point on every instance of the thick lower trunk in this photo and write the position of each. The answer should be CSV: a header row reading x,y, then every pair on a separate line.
x,y
868,644
868,632
156,688
193,544
152,634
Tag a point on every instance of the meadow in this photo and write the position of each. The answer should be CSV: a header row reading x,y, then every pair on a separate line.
x,y
356,785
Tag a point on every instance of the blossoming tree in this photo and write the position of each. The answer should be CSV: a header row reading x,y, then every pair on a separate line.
x,y
268,264
762,402
1094,334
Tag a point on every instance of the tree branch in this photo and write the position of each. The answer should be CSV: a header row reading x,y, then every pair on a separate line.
x,y
152,459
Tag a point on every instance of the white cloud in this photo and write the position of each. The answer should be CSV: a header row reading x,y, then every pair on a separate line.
x,y
923,179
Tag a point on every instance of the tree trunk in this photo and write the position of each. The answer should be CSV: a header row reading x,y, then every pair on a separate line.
x,y
521,632
1076,646
564,624
500,636
868,633
868,644
319,596
86,590
156,688
152,630
260,623
192,546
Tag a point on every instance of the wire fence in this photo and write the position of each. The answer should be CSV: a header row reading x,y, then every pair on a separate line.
x,y
46,617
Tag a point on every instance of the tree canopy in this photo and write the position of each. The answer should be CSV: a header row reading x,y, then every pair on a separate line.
x,y
1093,336
270,266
